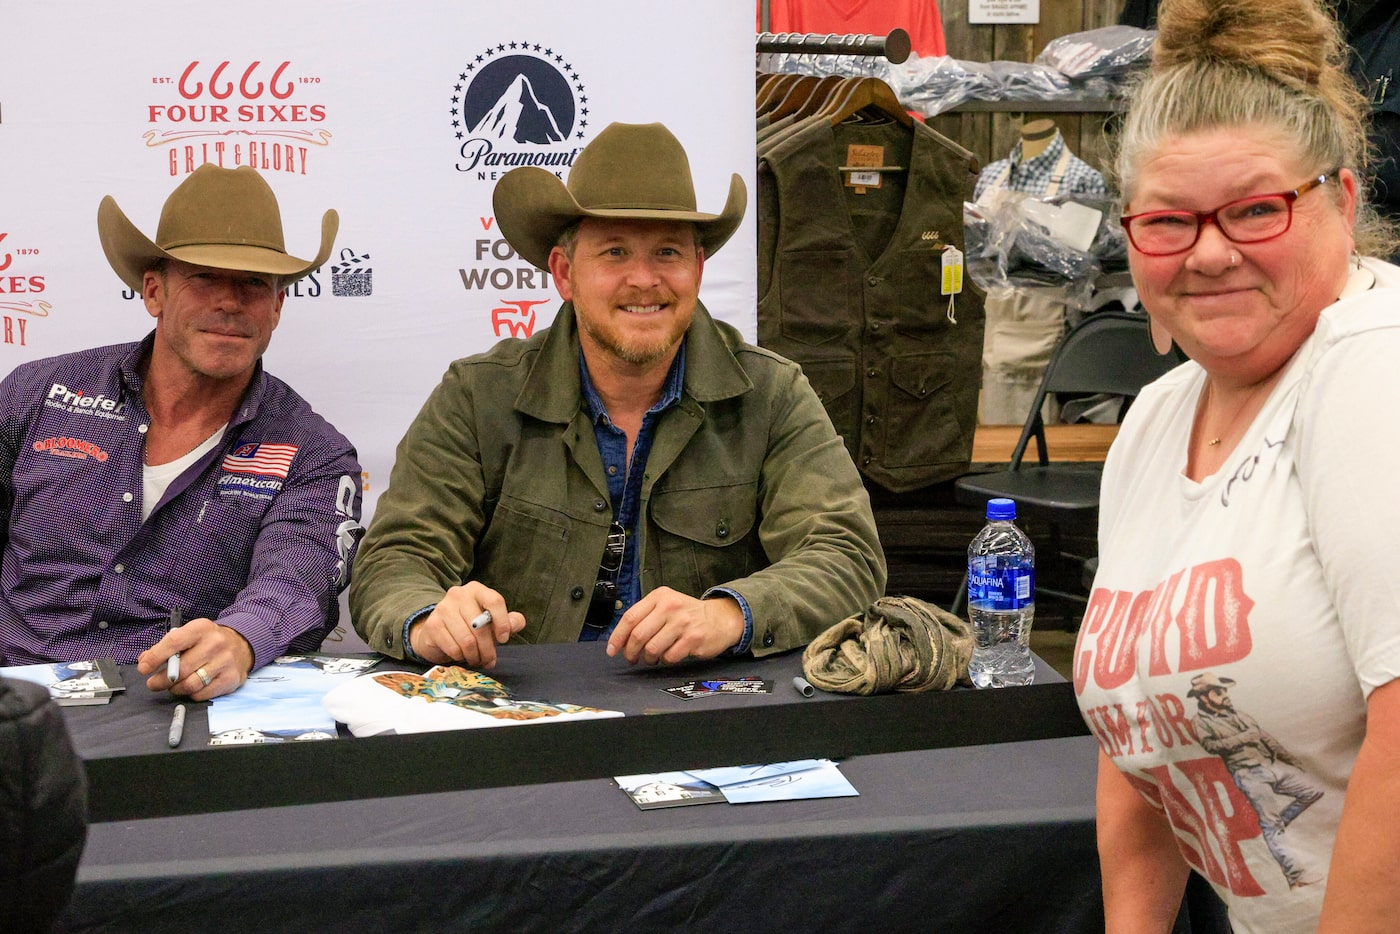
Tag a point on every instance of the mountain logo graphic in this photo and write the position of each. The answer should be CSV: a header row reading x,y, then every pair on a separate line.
x,y
518,94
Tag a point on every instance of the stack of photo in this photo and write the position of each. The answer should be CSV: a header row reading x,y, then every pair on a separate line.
x,y
73,684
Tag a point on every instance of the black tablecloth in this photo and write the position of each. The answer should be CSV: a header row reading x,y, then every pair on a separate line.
x,y
984,837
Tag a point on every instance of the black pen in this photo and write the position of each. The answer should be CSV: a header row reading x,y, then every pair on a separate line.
x,y
172,667
177,726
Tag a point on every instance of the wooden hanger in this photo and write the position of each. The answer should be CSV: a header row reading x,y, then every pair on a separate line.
x,y
774,92
805,94
764,82
864,94
858,98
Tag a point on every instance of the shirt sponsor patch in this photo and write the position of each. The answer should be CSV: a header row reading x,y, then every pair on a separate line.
x,y
251,485
71,447
261,459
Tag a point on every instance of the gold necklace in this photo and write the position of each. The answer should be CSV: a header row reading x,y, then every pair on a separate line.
x,y
1209,394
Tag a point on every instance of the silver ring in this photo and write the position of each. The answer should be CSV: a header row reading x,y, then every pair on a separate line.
x,y
203,676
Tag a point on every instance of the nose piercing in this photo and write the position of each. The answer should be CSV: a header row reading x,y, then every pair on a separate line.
x,y
1234,260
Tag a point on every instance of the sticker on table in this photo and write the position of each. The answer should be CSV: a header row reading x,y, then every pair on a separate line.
x,y
713,688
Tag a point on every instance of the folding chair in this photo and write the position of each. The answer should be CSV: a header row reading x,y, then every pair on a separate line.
x,y
1107,352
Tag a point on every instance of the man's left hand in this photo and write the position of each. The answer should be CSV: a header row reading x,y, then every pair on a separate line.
x,y
668,627
207,650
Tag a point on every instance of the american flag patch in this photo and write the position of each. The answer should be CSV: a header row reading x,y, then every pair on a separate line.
x,y
265,460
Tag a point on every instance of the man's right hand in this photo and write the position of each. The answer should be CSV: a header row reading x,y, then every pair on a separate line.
x,y
445,635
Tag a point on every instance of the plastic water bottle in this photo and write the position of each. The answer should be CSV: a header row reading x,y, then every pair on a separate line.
x,y
1001,599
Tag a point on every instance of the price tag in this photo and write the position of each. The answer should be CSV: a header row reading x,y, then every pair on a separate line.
x,y
952,270
859,157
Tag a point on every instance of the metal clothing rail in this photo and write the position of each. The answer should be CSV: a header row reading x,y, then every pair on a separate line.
x,y
895,46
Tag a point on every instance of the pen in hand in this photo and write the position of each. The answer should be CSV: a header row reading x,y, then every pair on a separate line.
x,y
481,619
177,726
172,667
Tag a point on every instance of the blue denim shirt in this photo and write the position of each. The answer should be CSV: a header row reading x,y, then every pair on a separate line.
x,y
625,490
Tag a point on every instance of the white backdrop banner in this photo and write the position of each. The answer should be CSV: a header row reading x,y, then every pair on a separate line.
x,y
401,116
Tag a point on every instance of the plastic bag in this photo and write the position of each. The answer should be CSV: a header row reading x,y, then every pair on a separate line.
x,y
1109,51
1009,245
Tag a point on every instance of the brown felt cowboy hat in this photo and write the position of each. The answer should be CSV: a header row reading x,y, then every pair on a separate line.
x,y
221,218
630,171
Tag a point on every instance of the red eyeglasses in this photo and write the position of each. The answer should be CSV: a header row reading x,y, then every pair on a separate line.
x,y
1246,220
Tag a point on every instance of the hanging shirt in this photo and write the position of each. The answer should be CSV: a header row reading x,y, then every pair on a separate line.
x,y
1055,171
919,18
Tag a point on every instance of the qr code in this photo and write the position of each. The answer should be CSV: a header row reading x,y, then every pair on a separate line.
x,y
352,284
349,277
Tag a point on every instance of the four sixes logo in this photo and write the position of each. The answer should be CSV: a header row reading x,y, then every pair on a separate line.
x,y
22,284
259,113
514,104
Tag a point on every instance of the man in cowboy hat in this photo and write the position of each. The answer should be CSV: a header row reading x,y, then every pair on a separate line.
x,y
635,473
173,478
1266,772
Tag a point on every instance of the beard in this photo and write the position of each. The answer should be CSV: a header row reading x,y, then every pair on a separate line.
x,y
636,347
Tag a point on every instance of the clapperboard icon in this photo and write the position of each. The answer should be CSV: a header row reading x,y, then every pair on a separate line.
x,y
351,277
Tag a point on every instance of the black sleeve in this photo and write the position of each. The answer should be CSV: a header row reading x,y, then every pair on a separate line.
x,y
43,808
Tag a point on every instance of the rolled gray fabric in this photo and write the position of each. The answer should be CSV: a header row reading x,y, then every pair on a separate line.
x,y
898,644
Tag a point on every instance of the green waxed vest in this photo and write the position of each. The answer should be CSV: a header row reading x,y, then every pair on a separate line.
x,y
850,288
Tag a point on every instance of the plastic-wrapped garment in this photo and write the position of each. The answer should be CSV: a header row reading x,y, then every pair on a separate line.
x,y
1109,51
809,63
933,85
1007,249
1021,81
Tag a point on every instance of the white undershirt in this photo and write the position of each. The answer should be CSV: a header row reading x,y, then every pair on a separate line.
x,y
155,480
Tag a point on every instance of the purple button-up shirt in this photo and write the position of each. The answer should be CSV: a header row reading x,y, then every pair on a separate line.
x,y
259,534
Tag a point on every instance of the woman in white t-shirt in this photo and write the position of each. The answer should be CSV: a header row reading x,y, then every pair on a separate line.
x,y
1238,656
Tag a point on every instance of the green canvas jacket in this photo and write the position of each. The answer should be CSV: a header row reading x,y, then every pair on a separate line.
x,y
499,480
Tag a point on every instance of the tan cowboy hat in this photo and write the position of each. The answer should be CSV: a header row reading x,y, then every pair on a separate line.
x,y
222,218
630,171
1205,682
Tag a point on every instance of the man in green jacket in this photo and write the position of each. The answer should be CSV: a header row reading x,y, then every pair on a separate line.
x,y
634,473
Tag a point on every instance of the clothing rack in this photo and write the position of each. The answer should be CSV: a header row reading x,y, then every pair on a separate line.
x,y
895,47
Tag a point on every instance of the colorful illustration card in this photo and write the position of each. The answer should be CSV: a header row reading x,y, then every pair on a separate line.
x,y
445,697
281,702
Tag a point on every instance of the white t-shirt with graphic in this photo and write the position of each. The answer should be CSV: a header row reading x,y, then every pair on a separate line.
x,y
1237,625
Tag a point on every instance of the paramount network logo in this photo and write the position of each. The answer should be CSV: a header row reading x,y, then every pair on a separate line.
x,y
515,104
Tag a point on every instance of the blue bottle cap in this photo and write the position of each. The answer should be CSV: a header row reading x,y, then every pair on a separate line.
x,y
1001,509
